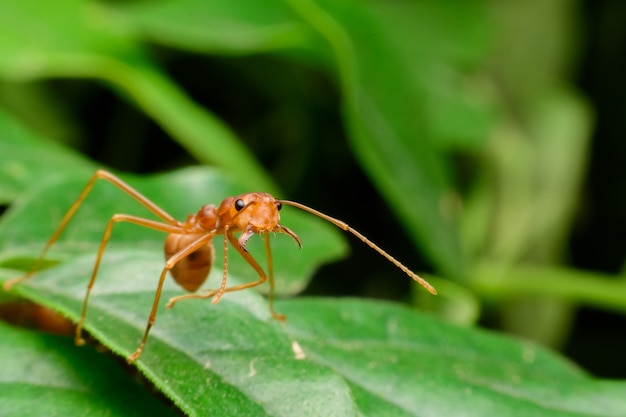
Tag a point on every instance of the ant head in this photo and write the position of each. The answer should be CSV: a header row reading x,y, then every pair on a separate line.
x,y
254,212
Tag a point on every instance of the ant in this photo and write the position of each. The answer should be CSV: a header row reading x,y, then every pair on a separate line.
x,y
189,250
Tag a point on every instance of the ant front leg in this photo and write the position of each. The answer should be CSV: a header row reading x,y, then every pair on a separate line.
x,y
262,277
217,294
209,293
169,264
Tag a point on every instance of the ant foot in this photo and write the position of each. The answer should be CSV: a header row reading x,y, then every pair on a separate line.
x,y
132,358
279,317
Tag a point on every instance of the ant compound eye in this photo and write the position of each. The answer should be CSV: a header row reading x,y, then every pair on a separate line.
x,y
239,204
279,206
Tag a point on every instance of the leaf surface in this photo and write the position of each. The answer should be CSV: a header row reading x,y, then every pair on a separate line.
x,y
43,375
27,159
241,27
334,357
77,38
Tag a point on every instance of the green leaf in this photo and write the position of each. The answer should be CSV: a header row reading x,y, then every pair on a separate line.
x,y
228,359
43,375
560,127
29,223
65,38
77,38
244,27
26,159
387,86
435,45
401,363
332,358
606,292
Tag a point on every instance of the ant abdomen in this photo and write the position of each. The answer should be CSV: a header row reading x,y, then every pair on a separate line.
x,y
191,271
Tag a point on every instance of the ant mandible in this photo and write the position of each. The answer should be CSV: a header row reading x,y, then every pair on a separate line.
x,y
189,248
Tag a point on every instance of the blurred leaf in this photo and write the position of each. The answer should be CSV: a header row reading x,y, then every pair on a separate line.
x,y
454,303
539,169
561,123
437,47
493,281
333,357
387,115
75,38
528,199
510,175
245,26
44,375
536,46
27,159
50,39
560,132
43,112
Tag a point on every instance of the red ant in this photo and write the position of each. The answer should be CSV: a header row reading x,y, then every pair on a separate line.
x,y
189,248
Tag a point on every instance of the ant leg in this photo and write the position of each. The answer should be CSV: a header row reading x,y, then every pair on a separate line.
x,y
209,293
151,318
169,264
217,294
270,270
117,182
151,224
55,236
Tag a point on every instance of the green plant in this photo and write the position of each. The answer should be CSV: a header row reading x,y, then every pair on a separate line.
x,y
413,94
